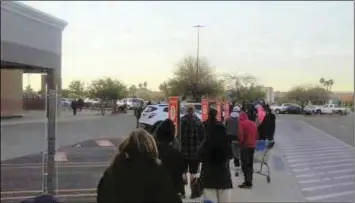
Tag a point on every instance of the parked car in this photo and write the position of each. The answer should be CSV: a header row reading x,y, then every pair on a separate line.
x,y
65,102
332,109
281,108
132,103
309,110
153,115
293,109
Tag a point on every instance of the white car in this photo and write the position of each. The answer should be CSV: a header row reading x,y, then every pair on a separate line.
x,y
153,115
281,108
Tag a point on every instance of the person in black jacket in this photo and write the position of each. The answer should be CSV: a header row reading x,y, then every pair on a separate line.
x,y
170,156
215,154
136,174
192,136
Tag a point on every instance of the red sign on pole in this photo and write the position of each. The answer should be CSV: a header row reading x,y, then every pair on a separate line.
x,y
219,111
173,111
226,110
205,108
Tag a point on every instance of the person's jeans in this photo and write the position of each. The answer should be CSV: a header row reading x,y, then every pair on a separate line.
x,y
236,153
247,158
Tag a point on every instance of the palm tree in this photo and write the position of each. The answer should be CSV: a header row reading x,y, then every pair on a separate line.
x,y
322,81
330,84
140,85
145,84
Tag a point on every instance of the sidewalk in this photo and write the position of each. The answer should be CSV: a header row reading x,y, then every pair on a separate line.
x,y
282,188
40,117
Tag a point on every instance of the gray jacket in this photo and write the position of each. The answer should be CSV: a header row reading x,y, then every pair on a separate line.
x,y
232,125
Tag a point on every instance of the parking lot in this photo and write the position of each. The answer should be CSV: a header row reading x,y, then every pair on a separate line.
x,y
340,127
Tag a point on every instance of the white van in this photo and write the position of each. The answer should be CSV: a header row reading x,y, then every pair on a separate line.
x,y
132,103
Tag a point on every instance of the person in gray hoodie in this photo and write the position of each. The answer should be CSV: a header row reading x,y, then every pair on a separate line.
x,y
232,128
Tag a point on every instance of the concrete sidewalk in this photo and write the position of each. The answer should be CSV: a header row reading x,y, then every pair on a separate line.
x,y
40,117
282,188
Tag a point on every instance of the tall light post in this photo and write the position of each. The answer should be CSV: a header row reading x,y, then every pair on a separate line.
x,y
198,53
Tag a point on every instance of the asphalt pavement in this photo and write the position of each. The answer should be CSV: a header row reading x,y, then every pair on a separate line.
x,y
322,165
340,127
78,174
30,138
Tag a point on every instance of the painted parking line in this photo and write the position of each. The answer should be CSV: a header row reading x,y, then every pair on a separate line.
x,y
322,165
104,143
338,194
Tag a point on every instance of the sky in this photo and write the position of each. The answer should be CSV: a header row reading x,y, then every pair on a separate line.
x,y
282,44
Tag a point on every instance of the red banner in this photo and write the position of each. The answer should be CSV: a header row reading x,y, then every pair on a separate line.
x,y
226,110
219,111
205,107
173,111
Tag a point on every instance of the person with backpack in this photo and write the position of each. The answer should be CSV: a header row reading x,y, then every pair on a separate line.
x,y
170,155
248,134
215,154
232,128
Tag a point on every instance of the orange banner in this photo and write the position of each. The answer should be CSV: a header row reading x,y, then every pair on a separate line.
x,y
173,111
226,110
205,108
219,111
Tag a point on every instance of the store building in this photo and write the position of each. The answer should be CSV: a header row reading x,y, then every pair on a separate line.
x,y
31,42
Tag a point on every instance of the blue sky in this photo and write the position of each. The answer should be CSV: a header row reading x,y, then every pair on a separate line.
x,y
281,43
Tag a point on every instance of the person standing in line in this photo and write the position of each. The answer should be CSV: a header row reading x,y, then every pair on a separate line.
x,y
136,174
215,154
170,156
74,106
232,128
192,136
138,111
248,133
270,120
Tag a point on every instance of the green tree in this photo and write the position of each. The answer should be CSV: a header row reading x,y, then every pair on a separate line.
x,y
77,89
65,93
244,88
28,89
107,89
305,94
132,90
190,81
164,88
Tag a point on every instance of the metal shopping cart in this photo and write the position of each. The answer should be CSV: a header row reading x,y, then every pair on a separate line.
x,y
261,155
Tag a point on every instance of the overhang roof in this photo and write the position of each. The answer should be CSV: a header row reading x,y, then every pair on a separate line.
x,y
33,14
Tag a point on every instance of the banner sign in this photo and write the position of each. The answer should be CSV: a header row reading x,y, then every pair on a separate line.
x,y
226,110
205,109
173,111
219,111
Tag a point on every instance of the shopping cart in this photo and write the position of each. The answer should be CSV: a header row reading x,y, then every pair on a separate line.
x,y
261,155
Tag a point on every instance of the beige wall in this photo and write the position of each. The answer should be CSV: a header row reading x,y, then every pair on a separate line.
x,y
11,92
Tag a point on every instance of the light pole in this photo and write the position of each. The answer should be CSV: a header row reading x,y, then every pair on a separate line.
x,y
197,54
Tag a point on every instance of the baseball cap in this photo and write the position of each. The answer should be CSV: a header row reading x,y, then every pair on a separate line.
x,y
236,109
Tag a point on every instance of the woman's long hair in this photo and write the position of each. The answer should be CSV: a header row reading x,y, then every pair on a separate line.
x,y
211,121
138,145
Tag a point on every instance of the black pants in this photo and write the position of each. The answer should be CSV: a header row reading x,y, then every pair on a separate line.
x,y
74,111
247,159
191,166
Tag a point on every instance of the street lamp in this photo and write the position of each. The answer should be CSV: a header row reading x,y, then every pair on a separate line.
x,y
198,52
